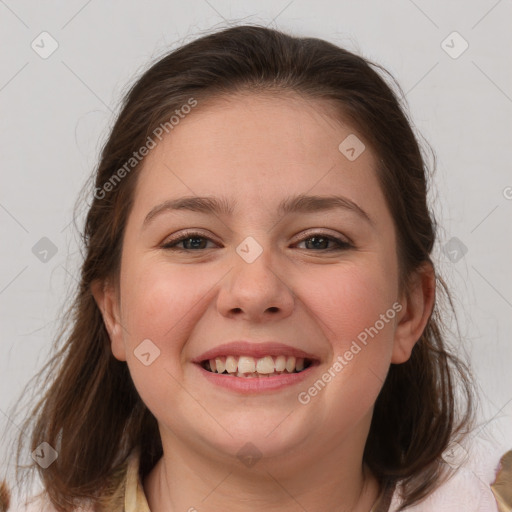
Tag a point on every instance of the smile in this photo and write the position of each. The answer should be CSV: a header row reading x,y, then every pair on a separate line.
x,y
251,367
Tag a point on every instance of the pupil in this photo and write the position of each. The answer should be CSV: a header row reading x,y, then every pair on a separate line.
x,y
197,241
315,240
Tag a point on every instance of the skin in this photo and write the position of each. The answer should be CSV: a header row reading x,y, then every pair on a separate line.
x,y
255,150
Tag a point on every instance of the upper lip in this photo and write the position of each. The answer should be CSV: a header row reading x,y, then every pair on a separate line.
x,y
253,349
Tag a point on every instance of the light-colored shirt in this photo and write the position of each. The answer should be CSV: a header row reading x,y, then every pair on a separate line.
x,y
465,491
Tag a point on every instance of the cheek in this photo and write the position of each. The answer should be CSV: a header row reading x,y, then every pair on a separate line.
x,y
158,299
354,299
357,309
160,304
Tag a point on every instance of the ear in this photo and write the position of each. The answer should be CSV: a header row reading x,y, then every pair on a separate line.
x,y
106,298
418,302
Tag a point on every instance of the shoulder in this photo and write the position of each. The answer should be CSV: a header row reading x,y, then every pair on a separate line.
x,y
464,490
502,485
43,505
127,493
477,483
39,504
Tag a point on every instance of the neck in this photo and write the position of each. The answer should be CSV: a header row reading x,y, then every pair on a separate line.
x,y
335,479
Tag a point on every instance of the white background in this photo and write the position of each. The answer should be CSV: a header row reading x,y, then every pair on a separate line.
x,y
55,113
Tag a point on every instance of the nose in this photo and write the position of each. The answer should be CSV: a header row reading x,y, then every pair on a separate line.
x,y
256,291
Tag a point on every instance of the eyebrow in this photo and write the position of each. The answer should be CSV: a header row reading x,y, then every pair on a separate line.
x,y
221,206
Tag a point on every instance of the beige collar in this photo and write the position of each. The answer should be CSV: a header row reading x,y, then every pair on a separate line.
x,y
134,497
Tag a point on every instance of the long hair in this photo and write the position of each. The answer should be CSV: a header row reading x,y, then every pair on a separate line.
x,y
90,411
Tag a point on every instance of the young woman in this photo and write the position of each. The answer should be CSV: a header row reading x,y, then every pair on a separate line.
x,y
258,322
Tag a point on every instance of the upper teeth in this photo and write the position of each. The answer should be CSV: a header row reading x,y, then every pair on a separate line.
x,y
263,365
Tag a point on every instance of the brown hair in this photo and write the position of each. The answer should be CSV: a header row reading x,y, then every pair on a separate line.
x,y
91,412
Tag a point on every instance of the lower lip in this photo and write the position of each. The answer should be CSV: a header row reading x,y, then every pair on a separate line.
x,y
255,384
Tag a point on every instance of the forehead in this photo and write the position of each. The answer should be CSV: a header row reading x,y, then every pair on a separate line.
x,y
255,149
263,126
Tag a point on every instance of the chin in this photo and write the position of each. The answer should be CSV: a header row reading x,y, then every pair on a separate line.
x,y
254,436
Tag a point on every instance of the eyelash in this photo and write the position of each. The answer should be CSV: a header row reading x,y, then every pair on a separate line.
x,y
171,244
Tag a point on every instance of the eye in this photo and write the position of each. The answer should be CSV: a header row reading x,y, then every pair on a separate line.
x,y
194,241
319,241
195,238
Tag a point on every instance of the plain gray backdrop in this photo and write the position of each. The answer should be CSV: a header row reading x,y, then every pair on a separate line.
x,y
64,67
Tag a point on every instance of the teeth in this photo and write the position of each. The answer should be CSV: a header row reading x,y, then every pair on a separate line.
x,y
250,367
280,363
247,365
257,375
247,376
220,364
265,365
290,364
231,364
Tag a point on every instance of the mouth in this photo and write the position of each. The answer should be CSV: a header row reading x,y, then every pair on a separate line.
x,y
251,367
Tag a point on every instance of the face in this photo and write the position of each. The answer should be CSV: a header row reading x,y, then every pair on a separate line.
x,y
316,280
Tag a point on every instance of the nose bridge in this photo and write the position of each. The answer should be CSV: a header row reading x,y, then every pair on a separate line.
x,y
253,265
255,286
